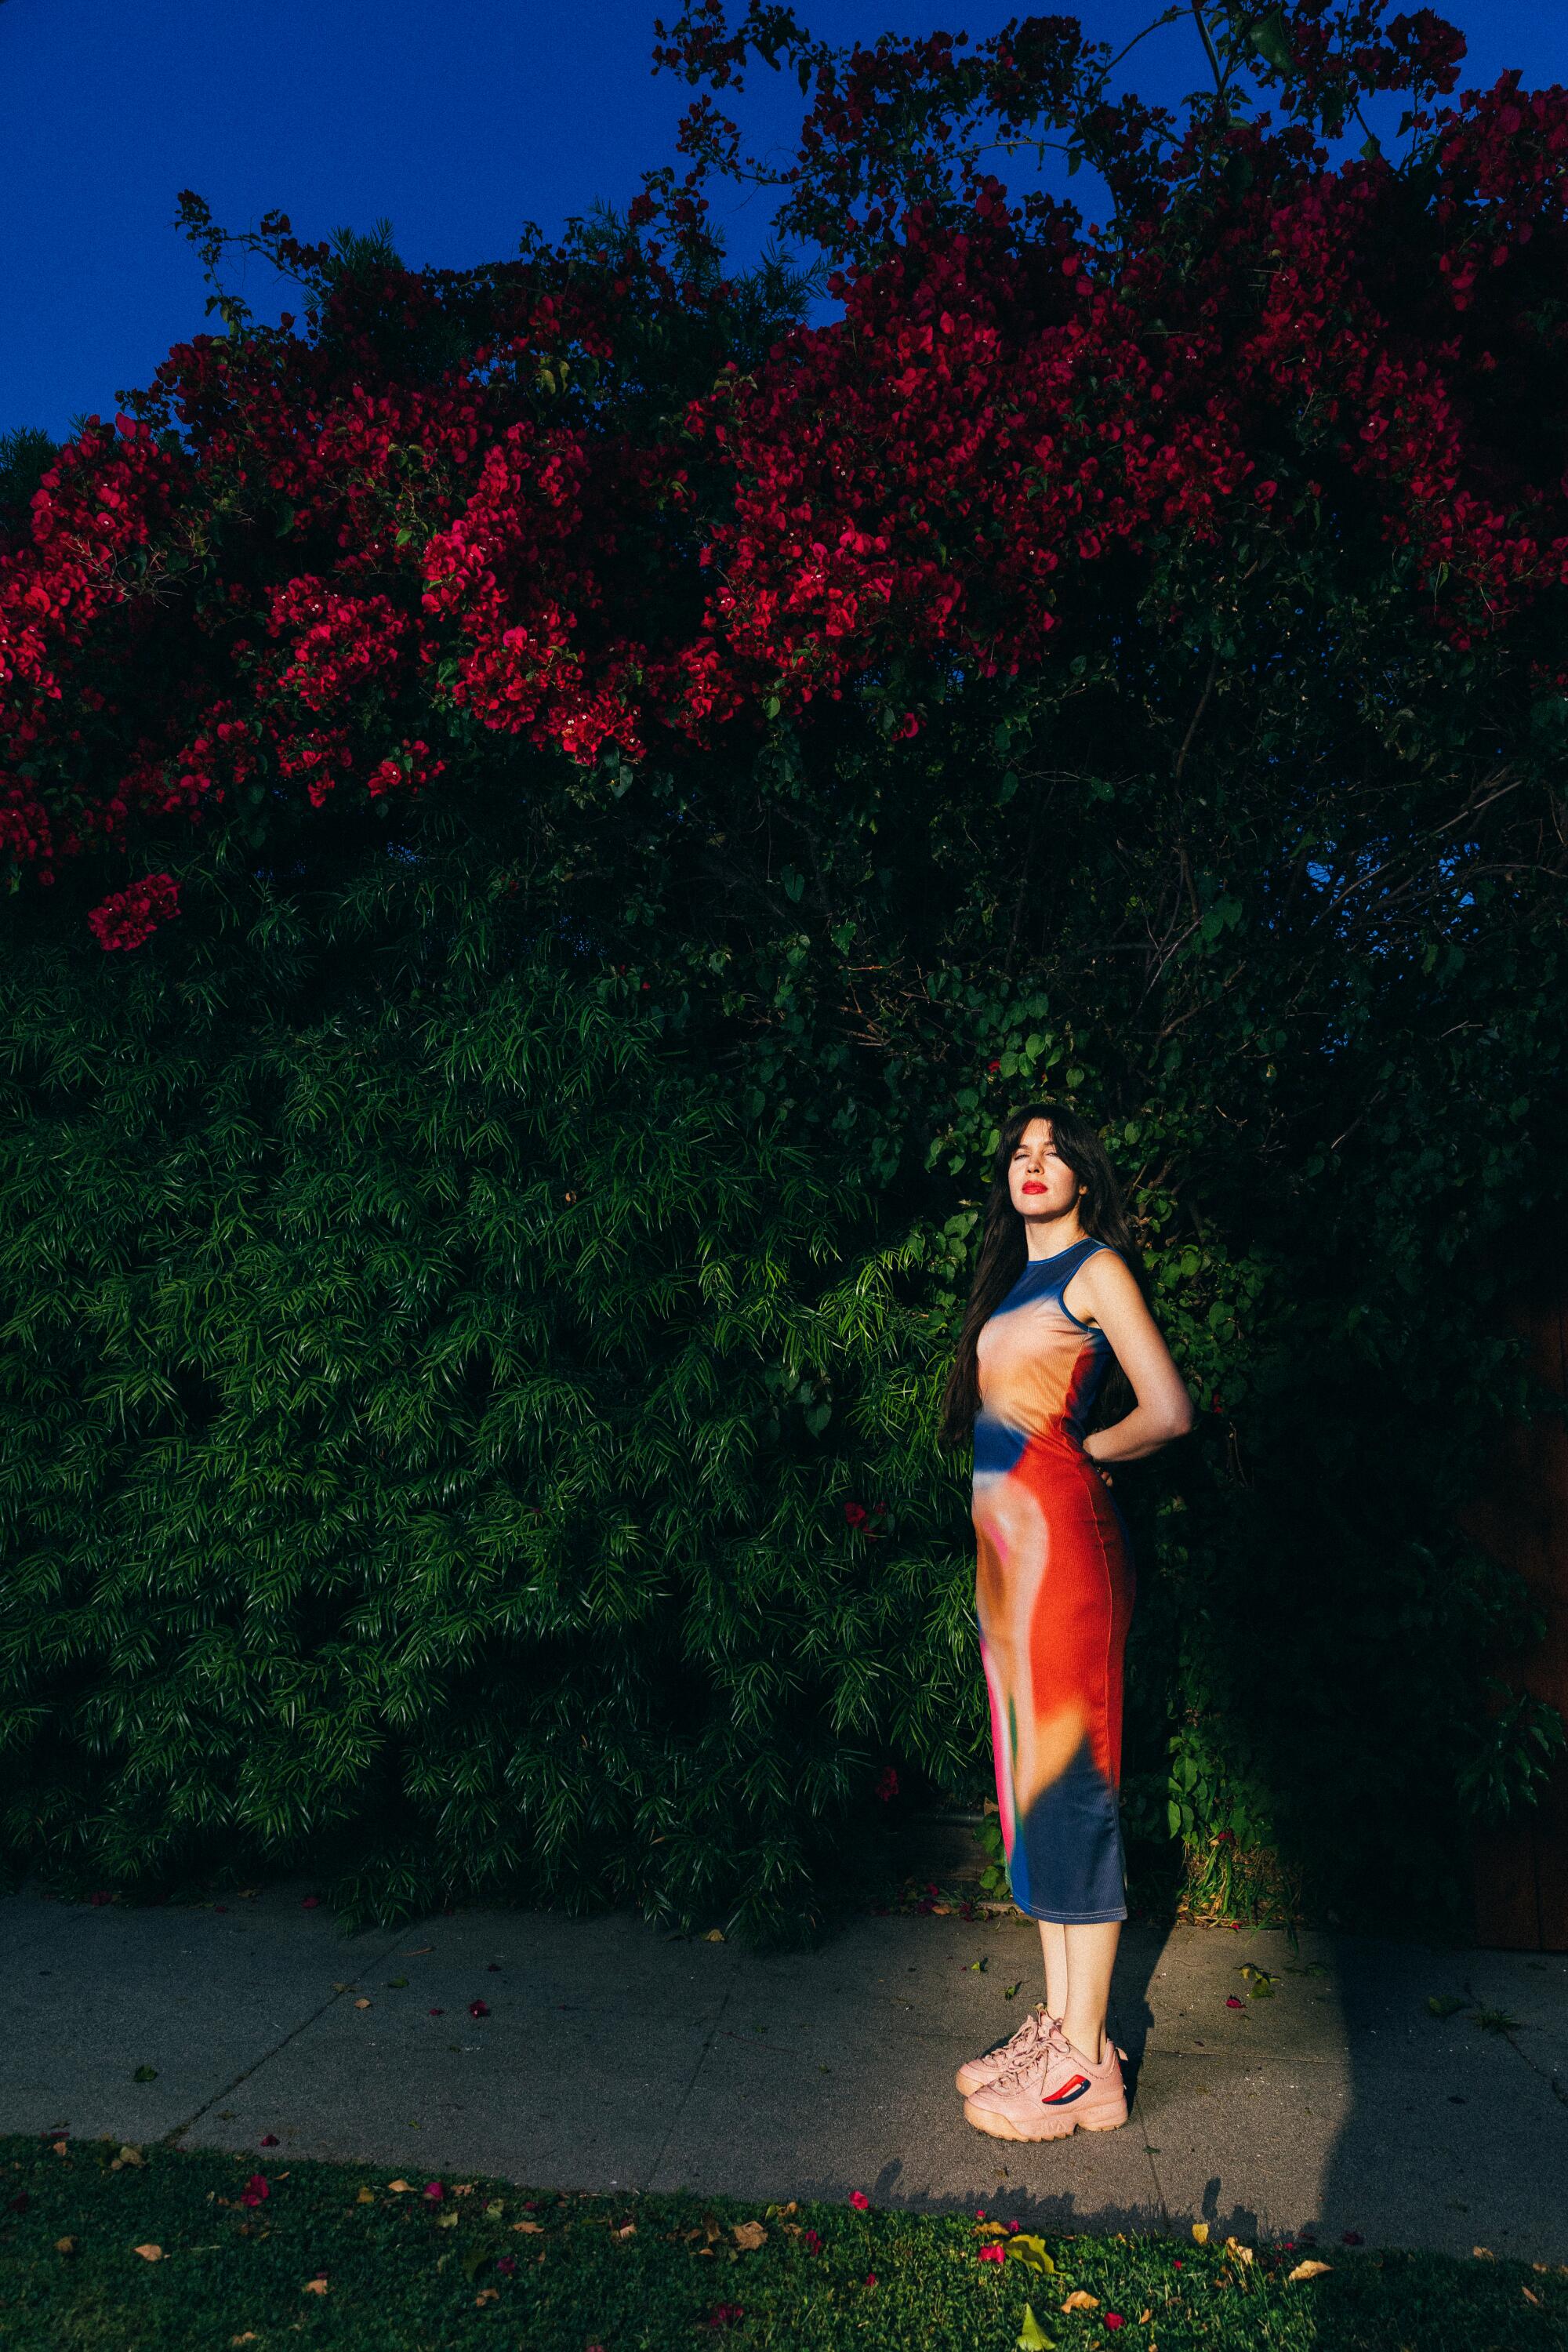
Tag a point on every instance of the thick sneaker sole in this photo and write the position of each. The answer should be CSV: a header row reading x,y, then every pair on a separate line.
x,y
1061,2127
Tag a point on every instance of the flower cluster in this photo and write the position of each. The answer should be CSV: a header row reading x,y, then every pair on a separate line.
x,y
338,561
126,918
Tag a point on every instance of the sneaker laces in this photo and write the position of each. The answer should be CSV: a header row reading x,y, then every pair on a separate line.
x,y
1024,2048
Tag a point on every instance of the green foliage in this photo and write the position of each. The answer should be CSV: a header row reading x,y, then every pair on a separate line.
x,y
335,2254
429,1410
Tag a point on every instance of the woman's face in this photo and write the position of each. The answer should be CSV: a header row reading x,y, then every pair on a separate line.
x,y
1042,1185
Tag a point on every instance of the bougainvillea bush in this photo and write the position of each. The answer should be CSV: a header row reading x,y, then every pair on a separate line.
x,y
553,809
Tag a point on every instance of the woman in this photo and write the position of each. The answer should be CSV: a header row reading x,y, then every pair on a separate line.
x,y
1056,1298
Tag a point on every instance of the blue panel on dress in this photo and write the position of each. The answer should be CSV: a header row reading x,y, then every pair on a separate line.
x,y
996,1447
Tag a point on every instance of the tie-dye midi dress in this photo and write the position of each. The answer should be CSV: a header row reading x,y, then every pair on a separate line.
x,y
1054,1592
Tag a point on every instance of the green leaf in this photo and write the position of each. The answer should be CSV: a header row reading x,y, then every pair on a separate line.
x,y
1271,38
1032,2337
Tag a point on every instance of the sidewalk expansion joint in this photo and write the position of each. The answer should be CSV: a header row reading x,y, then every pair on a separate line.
x,y
703,2057
170,2137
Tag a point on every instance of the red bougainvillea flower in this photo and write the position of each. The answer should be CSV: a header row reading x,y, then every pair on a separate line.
x,y
811,2242
888,1786
505,2264
870,2278
858,2198
255,2190
311,1903
128,917
995,2253
1113,2319
1231,2001
433,2191
269,2139
856,1514
479,2009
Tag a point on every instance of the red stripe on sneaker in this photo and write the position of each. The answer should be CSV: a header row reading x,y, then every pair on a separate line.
x,y
1073,2088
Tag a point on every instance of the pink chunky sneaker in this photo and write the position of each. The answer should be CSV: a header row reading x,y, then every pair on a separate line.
x,y
975,2074
1056,2091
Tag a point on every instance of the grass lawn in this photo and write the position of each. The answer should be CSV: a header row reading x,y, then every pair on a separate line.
x,y
154,2249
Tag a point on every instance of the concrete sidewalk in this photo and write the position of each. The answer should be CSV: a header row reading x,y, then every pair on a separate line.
x,y
612,2056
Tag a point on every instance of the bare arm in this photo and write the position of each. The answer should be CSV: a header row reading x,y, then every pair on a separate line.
x,y
1103,1291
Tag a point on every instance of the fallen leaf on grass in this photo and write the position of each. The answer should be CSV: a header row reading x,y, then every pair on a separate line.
x,y
65,2245
1237,2252
529,2229
1031,2251
629,2229
1201,2233
494,2209
488,2294
1482,2254
249,2336
60,2146
1032,2337
1080,2299
148,2253
1308,2270
365,2197
315,2286
748,2236
1530,2296
1145,2317
127,2156
400,2188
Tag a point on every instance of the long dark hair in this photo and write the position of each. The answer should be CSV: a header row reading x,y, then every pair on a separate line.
x,y
1004,1254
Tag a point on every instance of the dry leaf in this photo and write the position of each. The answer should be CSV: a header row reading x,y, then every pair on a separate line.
x,y
1483,2254
1201,2233
447,2220
400,2188
1241,2254
1081,2299
148,2253
130,2156
59,2147
991,2229
1531,2296
714,1935
1145,2317
488,2294
462,2187
362,2003
365,2197
249,2336
532,2229
749,2236
627,2230
65,2245
1308,2270
315,2286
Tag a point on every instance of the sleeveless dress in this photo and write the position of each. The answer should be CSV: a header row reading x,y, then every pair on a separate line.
x,y
1054,1592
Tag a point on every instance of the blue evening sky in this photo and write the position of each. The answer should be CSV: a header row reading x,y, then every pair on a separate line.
x,y
456,120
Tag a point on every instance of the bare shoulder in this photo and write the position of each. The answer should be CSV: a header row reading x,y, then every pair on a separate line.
x,y
1104,1285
